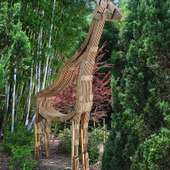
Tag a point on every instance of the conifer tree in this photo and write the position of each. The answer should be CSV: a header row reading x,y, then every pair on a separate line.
x,y
139,138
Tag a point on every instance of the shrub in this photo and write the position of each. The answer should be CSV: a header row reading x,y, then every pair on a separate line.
x,y
56,127
140,84
96,137
154,153
20,138
21,158
19,145
65,137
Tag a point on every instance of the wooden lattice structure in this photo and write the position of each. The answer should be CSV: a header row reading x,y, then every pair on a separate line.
x,y
78,71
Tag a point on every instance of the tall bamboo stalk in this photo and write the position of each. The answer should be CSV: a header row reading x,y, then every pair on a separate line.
x,y
29,98
7,96
49,46
13,100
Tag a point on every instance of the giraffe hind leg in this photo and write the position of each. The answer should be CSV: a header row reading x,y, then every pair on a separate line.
x,y
47,131
37,136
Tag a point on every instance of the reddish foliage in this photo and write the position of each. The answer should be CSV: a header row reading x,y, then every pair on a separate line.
x,y
65,101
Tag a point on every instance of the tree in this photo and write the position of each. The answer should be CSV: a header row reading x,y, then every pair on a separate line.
x,y
140,90
37,37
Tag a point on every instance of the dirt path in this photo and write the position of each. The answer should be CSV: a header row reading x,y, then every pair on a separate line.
x,y
4,159
57,160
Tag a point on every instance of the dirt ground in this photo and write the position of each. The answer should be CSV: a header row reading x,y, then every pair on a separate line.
x,y
4,159
56,160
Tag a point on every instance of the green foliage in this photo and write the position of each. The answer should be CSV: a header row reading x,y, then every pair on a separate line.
x,y
96,137
69,22
16,46
127,131
36,35
1,77
56,127
65,137
140,120
3,15
21,45
153,153
3,20
19,146
20,137
21,158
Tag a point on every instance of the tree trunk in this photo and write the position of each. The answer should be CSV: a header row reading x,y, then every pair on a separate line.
x,y
49,46
7,96
13,101
29,98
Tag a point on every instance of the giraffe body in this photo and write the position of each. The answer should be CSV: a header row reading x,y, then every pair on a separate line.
x,y
78,70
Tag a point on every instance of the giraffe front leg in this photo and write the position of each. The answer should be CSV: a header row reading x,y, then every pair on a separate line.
x,y
84,140
75,143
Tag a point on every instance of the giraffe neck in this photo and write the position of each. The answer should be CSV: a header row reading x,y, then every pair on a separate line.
x,y
97,25
93,38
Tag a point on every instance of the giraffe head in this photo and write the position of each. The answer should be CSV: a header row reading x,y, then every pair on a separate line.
x,y
110,9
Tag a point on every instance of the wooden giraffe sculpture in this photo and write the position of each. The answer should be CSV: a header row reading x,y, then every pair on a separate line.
x,y
77,70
